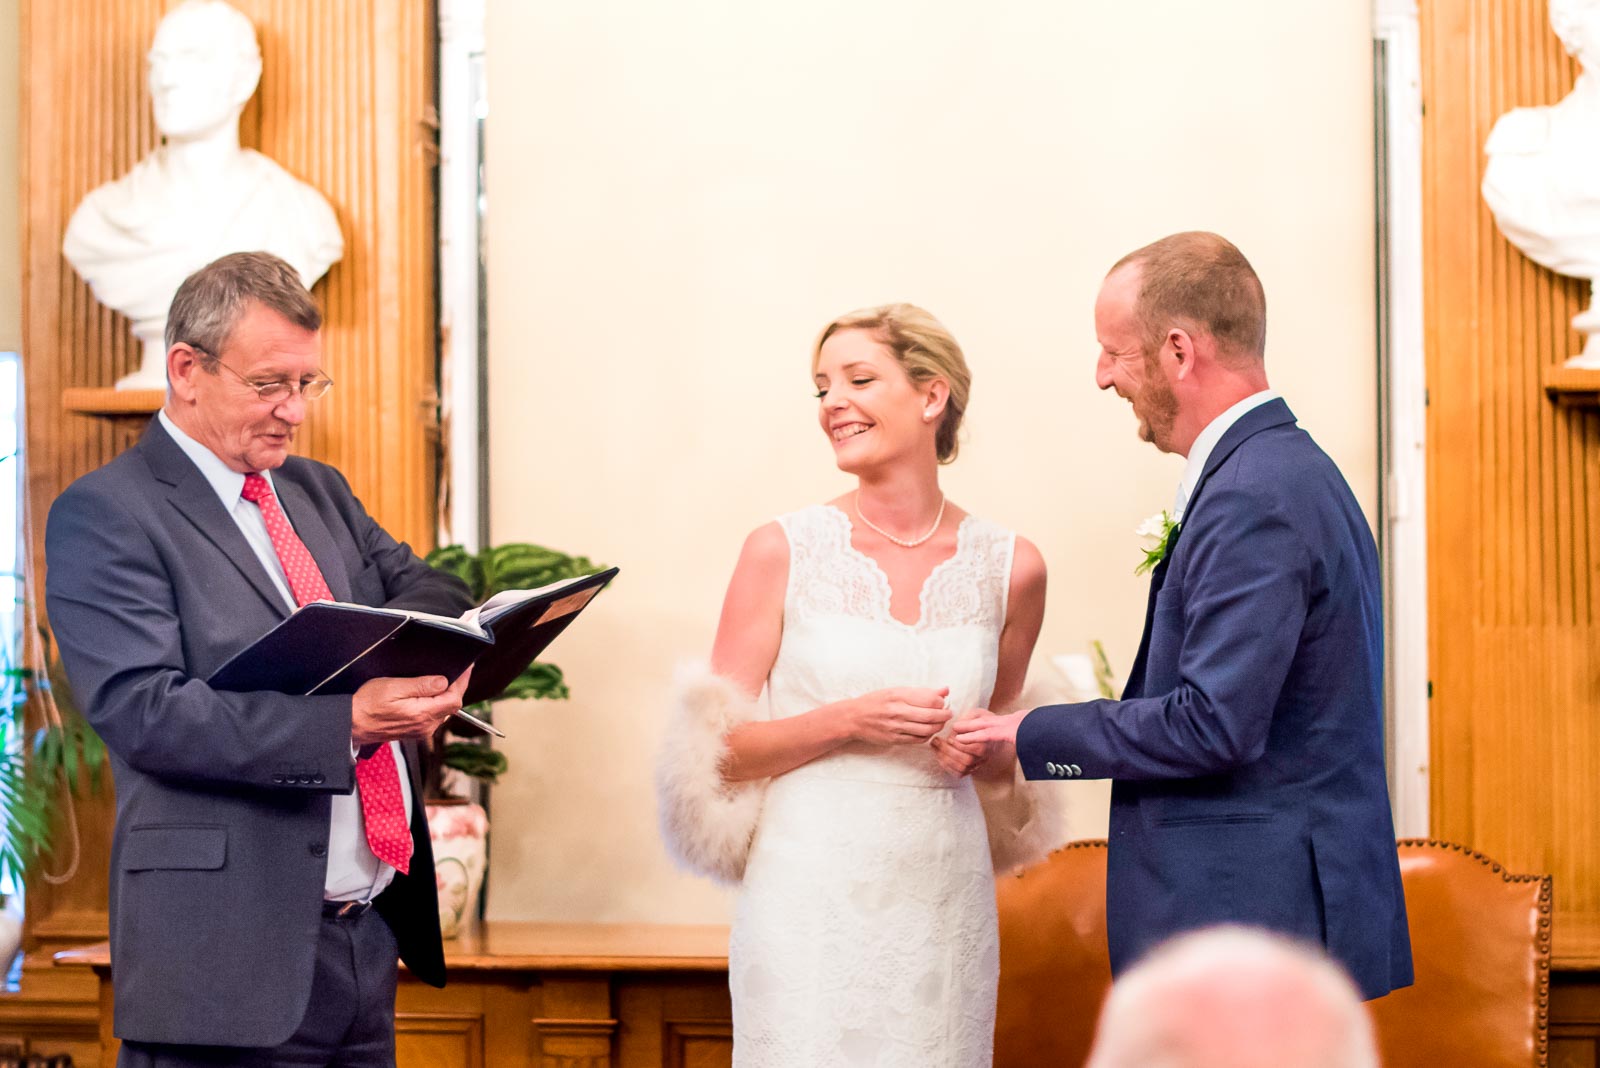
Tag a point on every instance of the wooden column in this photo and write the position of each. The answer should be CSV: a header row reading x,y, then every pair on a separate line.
x,y
1514,490
345,103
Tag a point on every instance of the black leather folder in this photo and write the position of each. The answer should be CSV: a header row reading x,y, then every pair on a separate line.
x,y
330,647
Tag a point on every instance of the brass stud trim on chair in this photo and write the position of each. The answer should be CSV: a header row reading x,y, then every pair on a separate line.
x,y
1542,937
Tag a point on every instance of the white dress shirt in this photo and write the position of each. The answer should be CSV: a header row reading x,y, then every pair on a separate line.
x,y
1200,451
354,873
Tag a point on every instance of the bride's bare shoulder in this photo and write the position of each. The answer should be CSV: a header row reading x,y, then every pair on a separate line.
x,y
766,546
1027,565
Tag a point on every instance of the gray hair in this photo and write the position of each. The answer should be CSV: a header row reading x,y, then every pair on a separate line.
x,y
210,302
1238,997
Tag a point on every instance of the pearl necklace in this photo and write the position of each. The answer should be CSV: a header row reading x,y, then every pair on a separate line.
x,y
913,543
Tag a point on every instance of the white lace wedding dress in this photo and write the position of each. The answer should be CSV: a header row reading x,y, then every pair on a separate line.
x,y
865,931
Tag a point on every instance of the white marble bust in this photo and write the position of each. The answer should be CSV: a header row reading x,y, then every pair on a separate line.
x,y
1543,177
199,195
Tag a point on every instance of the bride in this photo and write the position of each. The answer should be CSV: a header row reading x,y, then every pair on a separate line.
x,y
865,931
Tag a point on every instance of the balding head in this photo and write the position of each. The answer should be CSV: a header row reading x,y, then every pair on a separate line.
x,y
1199,282
1233,997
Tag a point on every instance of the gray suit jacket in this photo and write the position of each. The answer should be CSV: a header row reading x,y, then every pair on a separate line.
x,y
221,843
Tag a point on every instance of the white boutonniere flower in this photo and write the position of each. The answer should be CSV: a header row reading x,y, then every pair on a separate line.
x,y
1157,534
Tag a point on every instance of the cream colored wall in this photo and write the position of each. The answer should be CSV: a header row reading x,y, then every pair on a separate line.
x,y
682,194
10,177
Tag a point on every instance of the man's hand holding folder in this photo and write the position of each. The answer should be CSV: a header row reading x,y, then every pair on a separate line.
x,y
393,709
397,663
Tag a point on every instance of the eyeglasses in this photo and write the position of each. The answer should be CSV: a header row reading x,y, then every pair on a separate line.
x,y
276,390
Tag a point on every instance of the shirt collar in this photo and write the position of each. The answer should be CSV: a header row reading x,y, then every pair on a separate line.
x,y
228,483
1200,451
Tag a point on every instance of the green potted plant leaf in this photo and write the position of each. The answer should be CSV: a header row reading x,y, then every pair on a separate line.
x,y
458,826
39,761
48,753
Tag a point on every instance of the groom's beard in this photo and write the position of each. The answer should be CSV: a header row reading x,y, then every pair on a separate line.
x,y
1155,406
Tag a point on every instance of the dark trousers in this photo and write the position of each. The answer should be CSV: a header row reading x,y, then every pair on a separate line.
x,y
349,1021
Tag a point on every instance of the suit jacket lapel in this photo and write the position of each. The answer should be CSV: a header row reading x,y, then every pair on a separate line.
x,y
308,523
1158,578
1273,413
1263,417
197,502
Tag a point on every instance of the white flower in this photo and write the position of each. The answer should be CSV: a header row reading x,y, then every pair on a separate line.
x,y
1157,534
1154,527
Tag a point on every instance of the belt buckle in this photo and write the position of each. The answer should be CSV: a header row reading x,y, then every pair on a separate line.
x,y
353,908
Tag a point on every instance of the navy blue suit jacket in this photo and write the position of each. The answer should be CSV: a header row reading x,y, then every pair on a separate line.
x,y
221,844
1248,749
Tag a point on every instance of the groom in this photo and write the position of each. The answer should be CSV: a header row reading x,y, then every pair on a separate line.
x,y
1247,750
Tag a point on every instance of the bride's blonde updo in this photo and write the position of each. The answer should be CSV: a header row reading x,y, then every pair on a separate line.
x,y
924,349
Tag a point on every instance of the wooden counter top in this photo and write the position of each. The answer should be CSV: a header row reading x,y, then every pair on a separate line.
x,y
590,947
567,947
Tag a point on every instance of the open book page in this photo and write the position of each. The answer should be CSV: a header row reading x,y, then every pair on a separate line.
x,y
473,619
462,623
505,600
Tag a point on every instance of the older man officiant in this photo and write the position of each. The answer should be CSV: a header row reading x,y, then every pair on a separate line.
x,y
263,878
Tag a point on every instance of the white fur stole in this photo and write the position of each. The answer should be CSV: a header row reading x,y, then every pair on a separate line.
x,y
707,822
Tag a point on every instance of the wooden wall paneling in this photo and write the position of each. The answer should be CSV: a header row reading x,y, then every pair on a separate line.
x,y
1514,489
75,64
492,1015
1575,1022
675,1023
437,1040
344,103
595,1019
575,1027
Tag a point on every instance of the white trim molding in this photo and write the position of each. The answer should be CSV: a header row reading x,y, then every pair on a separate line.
x,y
462,108
1405,416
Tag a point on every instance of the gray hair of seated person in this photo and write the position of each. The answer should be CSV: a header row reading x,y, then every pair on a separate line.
x,y
1234,997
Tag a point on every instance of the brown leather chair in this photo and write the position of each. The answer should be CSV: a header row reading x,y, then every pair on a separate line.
x,y
1054,972
1480,941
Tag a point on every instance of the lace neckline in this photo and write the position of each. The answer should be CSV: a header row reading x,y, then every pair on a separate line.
x,y
885,590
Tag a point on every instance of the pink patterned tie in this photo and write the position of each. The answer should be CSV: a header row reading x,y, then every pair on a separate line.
x,y
388,830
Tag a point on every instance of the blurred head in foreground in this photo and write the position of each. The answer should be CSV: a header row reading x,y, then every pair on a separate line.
x,y
1233,997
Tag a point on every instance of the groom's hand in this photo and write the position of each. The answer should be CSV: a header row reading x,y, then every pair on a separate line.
x,y
998,734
